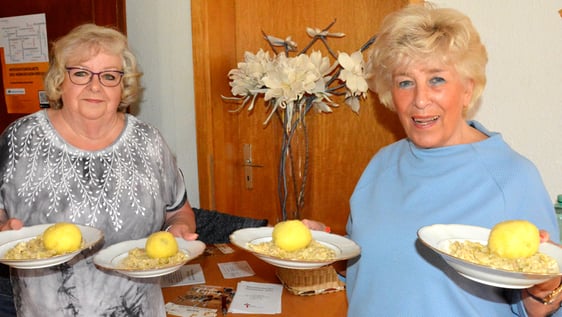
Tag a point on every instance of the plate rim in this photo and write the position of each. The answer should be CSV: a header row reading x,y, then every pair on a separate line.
x,y
29,232
525,279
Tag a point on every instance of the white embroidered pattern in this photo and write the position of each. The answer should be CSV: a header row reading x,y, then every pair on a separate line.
x,y
86,183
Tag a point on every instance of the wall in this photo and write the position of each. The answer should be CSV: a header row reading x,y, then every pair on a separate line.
x,y
160,34
523,99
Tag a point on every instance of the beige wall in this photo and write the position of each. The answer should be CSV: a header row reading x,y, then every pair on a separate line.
x,y
523,99
160,34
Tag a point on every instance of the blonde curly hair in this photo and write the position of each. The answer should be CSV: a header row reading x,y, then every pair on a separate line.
x,y
426,33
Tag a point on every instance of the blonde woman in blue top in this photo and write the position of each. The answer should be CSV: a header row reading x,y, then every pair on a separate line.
x,y
428,65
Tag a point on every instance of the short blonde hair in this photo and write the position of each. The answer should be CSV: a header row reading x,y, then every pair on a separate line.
x,y
423,32
82,43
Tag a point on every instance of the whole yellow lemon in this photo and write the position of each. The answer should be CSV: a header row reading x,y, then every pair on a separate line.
x,y
291,235
514,239
161,244
62,237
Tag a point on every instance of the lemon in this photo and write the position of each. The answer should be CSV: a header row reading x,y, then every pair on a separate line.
x,y
514,239
161,244
62,237
291,235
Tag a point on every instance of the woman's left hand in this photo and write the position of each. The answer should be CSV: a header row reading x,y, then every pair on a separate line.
x,y
534,307
183,231
181,223
315,225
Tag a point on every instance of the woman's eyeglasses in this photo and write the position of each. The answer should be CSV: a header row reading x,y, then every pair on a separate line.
x,y
81,76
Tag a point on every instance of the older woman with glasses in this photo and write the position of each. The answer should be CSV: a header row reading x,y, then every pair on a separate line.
x,y
86,161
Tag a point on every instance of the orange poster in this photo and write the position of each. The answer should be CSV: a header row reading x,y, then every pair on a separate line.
x,y
23,85
24,58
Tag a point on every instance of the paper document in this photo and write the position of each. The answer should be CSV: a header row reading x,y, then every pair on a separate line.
x,y
187,275
24,38
236,269
24,59
189,311
224,248
201,300
257,298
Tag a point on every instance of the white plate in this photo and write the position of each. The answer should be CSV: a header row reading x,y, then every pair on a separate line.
x,y
111,257
439,236
9,239
343,247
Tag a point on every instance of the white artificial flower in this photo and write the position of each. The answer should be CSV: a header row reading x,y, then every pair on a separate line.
x,y
312,32
248,76
322,100
353,72
293,84
352,102
291,78
288,43
321,63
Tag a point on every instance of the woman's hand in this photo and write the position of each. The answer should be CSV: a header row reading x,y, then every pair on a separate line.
x,y
183,231
534,307
315,225
545,237
181,223
9,223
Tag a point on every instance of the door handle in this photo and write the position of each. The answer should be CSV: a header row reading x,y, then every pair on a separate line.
x,y
248,166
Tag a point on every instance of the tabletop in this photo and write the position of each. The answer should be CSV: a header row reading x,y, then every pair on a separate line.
x,y
326,305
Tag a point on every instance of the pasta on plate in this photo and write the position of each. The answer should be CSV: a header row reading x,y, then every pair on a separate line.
x,y
315,251
478,253
139,260
32,249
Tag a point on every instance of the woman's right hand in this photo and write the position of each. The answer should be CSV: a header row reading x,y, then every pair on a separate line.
x,y
9,224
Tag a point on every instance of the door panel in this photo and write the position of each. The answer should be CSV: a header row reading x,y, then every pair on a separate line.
x,y
341,143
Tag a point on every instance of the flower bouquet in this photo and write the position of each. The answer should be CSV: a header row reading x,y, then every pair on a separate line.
x,y
292,85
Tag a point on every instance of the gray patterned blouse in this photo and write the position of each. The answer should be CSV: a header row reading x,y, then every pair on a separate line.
x,y
125,190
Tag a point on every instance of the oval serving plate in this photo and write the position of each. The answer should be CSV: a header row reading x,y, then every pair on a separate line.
x,y
9,239
438,237
342,246
111,257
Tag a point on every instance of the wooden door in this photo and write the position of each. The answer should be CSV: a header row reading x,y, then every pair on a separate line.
x,y
342,142
61,16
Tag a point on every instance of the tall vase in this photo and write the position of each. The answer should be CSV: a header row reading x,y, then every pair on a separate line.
x,y
293,169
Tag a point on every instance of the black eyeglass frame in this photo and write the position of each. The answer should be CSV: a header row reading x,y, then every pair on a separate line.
x,y
120,72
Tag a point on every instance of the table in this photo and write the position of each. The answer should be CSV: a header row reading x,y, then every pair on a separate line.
x,y
326,305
